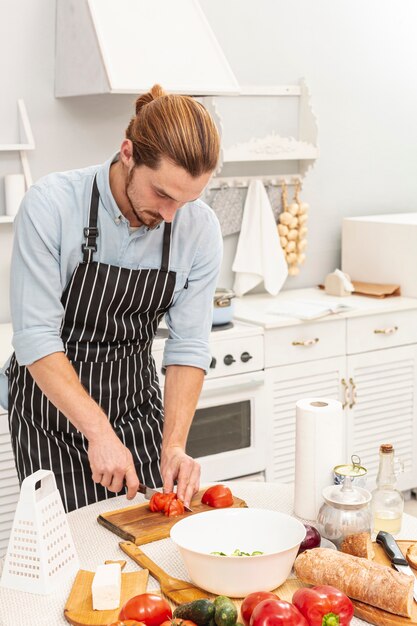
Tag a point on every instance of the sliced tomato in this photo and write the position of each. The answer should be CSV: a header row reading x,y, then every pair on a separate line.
x,y
218,497
175,508
155,502
168,498
160,501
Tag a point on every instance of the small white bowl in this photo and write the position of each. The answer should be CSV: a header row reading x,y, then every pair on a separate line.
x,y
275,534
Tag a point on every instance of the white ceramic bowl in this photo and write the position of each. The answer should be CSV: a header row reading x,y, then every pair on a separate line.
x,y
275,534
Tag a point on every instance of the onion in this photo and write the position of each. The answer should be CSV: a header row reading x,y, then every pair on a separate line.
x,y
311,540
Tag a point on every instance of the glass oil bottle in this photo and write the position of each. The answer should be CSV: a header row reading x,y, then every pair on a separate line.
x,y
387,501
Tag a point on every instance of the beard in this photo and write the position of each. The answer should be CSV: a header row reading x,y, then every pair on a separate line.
x,y
146,216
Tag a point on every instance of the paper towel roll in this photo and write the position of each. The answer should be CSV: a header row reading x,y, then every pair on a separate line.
x,y
14,190
319,446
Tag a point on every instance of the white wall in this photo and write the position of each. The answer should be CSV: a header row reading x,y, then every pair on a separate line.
x,y
358,58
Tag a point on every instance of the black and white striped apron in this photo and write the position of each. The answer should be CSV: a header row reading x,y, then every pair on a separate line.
x,y
111,315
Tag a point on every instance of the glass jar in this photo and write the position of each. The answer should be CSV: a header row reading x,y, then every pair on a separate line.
x,y
387,501
346,511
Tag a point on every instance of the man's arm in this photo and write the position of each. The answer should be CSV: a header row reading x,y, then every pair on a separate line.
x,y
182,389
111,462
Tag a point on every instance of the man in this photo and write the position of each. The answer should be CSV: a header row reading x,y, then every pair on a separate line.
x,y
100,256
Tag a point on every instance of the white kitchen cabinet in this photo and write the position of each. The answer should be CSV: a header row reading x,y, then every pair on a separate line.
x,y
373,372
284,386
383,409
9,484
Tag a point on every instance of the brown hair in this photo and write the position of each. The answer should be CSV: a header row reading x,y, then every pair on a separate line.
x,y
176,127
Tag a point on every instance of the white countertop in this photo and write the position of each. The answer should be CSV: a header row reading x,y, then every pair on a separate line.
x,y
95,544
257,308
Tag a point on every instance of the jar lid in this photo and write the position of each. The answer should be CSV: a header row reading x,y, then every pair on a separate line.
x,y
346,494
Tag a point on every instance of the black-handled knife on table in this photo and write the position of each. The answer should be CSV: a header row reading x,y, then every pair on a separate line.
x,y
396,557
148,492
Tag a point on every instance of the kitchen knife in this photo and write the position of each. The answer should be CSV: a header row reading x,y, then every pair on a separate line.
x,y
148,492
396,557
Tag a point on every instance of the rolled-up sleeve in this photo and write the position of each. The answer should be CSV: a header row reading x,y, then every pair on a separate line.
x,y
190,318
35,286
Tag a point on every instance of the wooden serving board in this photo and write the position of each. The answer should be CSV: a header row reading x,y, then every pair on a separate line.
x,y
179,591
79,606
140,525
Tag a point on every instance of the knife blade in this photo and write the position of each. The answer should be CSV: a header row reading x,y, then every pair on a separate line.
x,y
148,492
396,557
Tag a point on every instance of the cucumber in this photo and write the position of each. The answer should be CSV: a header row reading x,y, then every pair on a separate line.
x,y
199,611
226,611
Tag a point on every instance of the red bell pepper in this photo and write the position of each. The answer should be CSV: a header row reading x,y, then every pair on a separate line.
x,y
324,606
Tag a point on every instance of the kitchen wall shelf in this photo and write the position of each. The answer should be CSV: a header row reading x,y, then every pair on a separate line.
x,y
26,144
271,146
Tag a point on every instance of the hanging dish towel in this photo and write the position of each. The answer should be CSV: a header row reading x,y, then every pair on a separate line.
x,y
259,255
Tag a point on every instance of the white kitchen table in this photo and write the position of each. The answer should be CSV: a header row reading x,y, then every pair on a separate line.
x,y
95,544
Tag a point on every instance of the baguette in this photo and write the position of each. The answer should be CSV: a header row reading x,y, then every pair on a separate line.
x,y
411,555
358,545
360,579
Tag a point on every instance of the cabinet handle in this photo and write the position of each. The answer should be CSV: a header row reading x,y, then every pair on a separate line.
x,y
345,393
386,331
307,342
353,396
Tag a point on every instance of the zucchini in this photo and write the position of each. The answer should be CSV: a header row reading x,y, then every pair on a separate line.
x,y
226,611
199,611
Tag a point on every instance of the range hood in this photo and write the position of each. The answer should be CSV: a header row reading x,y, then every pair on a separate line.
x,y
125,46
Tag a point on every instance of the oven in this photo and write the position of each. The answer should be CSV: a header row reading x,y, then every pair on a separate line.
x,y
228,435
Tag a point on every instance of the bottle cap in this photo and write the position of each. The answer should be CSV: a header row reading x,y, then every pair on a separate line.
x,y
386,448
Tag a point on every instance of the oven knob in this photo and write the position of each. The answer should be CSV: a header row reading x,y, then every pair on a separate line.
x,y
213,363
228,359
245,357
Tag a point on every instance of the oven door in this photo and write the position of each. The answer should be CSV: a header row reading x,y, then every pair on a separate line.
x,y
228,433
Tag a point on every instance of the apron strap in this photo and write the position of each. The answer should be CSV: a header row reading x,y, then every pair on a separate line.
x,y
91,231
166,247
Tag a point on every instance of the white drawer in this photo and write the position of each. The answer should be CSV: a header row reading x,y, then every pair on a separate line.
x,y
305,342
385,330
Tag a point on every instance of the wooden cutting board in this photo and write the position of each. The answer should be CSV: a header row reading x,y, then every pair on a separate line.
x,y
178,591
140,525
79,606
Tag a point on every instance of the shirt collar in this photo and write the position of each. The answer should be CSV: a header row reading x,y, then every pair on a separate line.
x,y
103,184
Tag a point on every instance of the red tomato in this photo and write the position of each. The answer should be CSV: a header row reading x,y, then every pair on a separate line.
x,y
324,605
251,601
218,496
175,508
168,498
148,608
159,501
277,613
177,621
128,622
154,502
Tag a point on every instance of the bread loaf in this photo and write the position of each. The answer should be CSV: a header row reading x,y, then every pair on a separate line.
x,y
358,545
411,555
360,579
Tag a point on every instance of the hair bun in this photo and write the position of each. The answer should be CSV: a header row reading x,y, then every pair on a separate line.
x,y
155,92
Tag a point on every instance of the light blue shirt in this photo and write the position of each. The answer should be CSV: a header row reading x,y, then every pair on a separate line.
x,y
47,248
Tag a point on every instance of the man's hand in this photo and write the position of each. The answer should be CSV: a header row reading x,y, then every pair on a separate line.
x,y
176,465
112,464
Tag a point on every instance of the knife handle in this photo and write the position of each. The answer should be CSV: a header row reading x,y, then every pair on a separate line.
x,y
391,548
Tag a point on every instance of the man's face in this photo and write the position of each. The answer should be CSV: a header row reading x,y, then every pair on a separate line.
x,y
156,195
